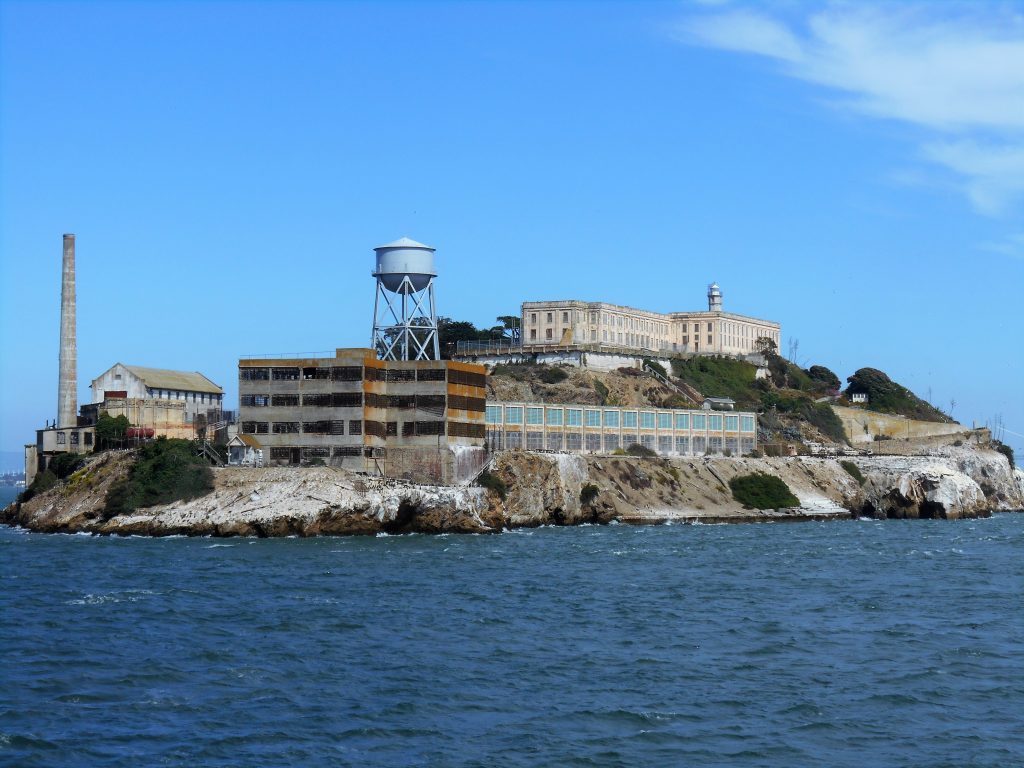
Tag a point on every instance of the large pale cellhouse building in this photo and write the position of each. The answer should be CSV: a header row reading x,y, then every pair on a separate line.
x,y
573,323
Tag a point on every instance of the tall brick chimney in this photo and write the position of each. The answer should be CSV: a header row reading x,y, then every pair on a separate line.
x,y
67,386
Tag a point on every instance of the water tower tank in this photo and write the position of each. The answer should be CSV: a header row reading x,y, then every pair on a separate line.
x,y
405,258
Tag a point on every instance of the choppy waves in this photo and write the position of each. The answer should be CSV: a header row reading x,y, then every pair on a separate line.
x,y
853,644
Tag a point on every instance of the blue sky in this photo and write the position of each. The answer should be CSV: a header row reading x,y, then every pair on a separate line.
x,y
854,171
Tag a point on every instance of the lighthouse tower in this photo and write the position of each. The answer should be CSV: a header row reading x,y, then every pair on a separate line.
x,y
714,298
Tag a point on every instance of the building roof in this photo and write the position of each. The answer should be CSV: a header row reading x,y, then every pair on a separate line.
x,y
247,440
161,378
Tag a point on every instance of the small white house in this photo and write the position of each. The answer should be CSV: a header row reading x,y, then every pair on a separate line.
x,y
245,451
859,397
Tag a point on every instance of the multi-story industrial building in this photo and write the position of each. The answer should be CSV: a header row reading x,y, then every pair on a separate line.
x,y
417,419
573,323
599,429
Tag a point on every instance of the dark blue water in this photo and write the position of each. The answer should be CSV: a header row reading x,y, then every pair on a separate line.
x,y
837,644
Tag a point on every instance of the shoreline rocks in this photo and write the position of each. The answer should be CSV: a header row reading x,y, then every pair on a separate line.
x,y
543,489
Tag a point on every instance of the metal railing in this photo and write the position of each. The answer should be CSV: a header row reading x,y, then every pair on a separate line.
x,y
290,355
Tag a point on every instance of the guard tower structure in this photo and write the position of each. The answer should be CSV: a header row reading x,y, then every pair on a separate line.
x,y
404,311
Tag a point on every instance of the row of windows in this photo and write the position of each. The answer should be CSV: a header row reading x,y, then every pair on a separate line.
x,y
536,440
358,427
178,394
615,419
62,438
342,373
325,427
294,454
604,318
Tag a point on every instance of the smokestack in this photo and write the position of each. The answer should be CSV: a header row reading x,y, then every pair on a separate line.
x,y
67,387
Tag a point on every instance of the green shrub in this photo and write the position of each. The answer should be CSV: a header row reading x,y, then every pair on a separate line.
x,y
656,366
853,470
602,391
164,471
1007,451
43,481
110,430
762,491
886,396
66,464
553,375
638,450
824,379
493,483
588,493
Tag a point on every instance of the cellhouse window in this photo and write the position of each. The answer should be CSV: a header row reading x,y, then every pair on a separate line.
x,y
565,317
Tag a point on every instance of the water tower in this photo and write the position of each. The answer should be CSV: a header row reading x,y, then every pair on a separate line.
x,y
404,315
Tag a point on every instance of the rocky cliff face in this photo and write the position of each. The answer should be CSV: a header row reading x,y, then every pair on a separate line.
x,y
543,489
961,482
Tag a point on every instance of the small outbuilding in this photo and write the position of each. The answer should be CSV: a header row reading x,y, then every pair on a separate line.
x,y
245,451
718,404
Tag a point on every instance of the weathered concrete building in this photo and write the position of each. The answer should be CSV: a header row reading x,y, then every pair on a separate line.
x,y
422,420
193,390
614,327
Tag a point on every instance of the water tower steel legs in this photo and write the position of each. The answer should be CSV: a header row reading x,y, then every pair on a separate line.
x,y
407,331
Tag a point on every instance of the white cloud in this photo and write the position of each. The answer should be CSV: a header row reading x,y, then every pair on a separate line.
x,y
958,77
1012,246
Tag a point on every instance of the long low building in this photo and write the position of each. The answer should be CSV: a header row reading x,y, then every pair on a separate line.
x,y
603,429
571,322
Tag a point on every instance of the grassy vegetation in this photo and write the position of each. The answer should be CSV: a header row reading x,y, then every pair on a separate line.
x,y
818,415
602,391
853,470
638,450
886,396
588,493
719,377
493,483
761,491
164,471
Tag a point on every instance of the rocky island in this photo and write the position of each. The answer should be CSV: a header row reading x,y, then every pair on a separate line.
x,y
533,489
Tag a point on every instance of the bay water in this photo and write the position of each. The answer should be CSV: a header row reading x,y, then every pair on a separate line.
x,y
842,644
